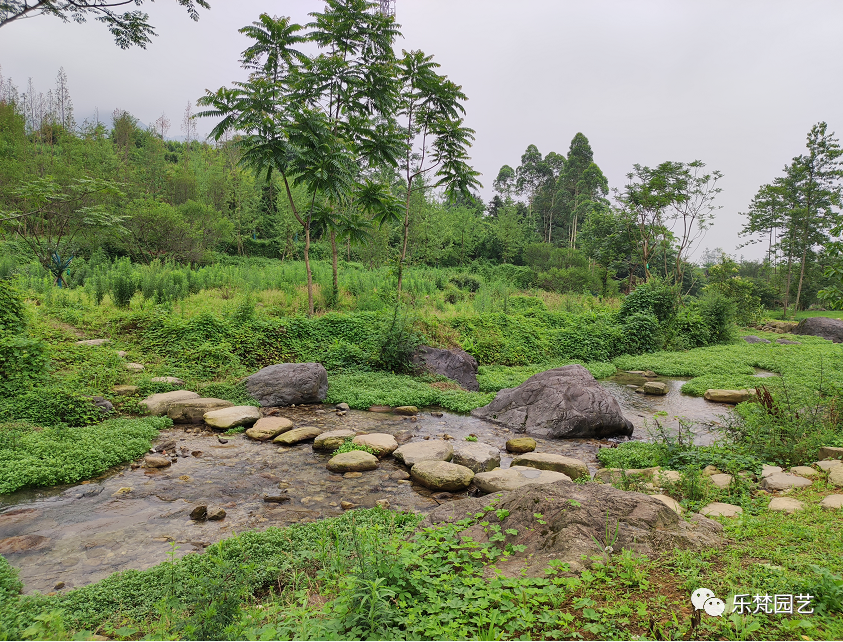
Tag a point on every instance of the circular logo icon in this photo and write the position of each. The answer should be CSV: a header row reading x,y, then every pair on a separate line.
x,y
714,606
699,597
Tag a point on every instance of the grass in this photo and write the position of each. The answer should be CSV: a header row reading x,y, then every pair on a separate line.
x,y
804,314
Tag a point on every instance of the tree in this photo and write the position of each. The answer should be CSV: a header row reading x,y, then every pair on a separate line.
x,y
531,174
128,28
580,183
504,184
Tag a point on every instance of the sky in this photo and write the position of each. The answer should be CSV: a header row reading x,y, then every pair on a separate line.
x,y
737,85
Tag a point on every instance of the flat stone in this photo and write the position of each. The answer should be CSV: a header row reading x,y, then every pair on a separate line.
x,y
786,504
766,470
573,468
125,391
476,456
333,439
719,509
354,461
729,396
753,339
121,353
832,501
160,403
232,417
521,445
671,503
441,475
669,476
192,411
655,388
134,367
400,475
380,408
804,471
830,452
276,499
267,428
216,514
383,444
156,461
93,342
418,451
173,381
722,480
783,481
709,470
342,406
506,479
352,475
835,476
296,435
406,410
348,505
828,464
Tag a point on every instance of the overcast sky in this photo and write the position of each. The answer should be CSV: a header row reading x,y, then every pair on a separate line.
x,y
736,84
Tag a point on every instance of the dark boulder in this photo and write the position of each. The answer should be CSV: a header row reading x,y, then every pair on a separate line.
x,y
284,384
563,402
753,339
831,329
455,364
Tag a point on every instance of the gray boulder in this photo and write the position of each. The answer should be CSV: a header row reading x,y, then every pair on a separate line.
x,y
418,451
192,411
574,468
455,364
562,402
284,384
753,339
515,477
831,329
477,456
160,403
441,475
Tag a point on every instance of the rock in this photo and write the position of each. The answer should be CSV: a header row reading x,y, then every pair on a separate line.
x,y
267,428
521,445
354,475
668,477
753,339
232,417
93,342
383,503
160,403
442,495
783,481
216,514
650,374
831,329
787,342
418,451
192,411
671,503
342,406
835,476
441,475
296,435
573,468
125,391
804,471
199,513
562,402
333,439
103,404
354,461
348,505
455,364
832,501
476,456
173,381
729,396
655,388
562,520
285,384
380,408
406,410
134,367
719,509
506,479
722,481
276,499
615,475
382,443
786,504
436,413
156,461
766,470
830,452
828,464
222,440
167,446
710,470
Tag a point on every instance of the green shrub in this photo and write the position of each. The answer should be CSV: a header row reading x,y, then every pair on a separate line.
x,y
654,297
632,454
397,342
641,333
718,312
50,405
23,361
123,284
689,329
12,317
468,282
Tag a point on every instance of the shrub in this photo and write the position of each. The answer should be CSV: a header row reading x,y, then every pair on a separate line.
x,y
23,361
51,405
641,333
653,297
397,342
123,284
468,282
718,313
632,454
12,318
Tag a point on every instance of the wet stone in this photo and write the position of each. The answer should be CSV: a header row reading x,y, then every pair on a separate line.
x,y
199,513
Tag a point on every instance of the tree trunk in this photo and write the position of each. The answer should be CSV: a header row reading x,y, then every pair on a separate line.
x,y
336,291
406,237
307,268
787,287
801,276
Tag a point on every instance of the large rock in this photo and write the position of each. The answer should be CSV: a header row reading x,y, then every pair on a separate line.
x,y
719,509
331,440
573,468
382,443
159,404
830,452
232,417
655,388
192,411
505,479
296,435
441,475
352,462
832,501
284,384
835,476
563,402
561,521
477,456
267,428
729,396
786,504
455,364
617,475
753,339
783,481
521,445
156,461
417,451
831,329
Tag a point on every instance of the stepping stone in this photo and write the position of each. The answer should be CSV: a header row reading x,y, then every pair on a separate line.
x,y
441,475
521,445
830,452
342,406
125,391
382,443
828,464
786,504
232,417
93,342
134,367
729,396
722,481
787,342
835,476
671,503
669,476
804,471
753,339
783,481
160,403
708,471
477,456
418,451
574,468
352,462
267,428
192,411
156,461
380,409
766,470
719,509
406,410
832,501
122,354
332,439
175,381
296,435
506,479
655,388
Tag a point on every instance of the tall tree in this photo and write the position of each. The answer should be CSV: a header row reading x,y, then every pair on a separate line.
x,y
581,183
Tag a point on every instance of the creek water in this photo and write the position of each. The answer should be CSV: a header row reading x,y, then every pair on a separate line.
x,y
130,518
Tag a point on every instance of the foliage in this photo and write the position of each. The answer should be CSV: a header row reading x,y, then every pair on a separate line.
x,y
12,318
654,298
348,445
22,362
632,454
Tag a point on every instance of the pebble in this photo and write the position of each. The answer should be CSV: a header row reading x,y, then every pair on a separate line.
x,y
276,499
199,513
348,505
216,514
352,475
383,503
